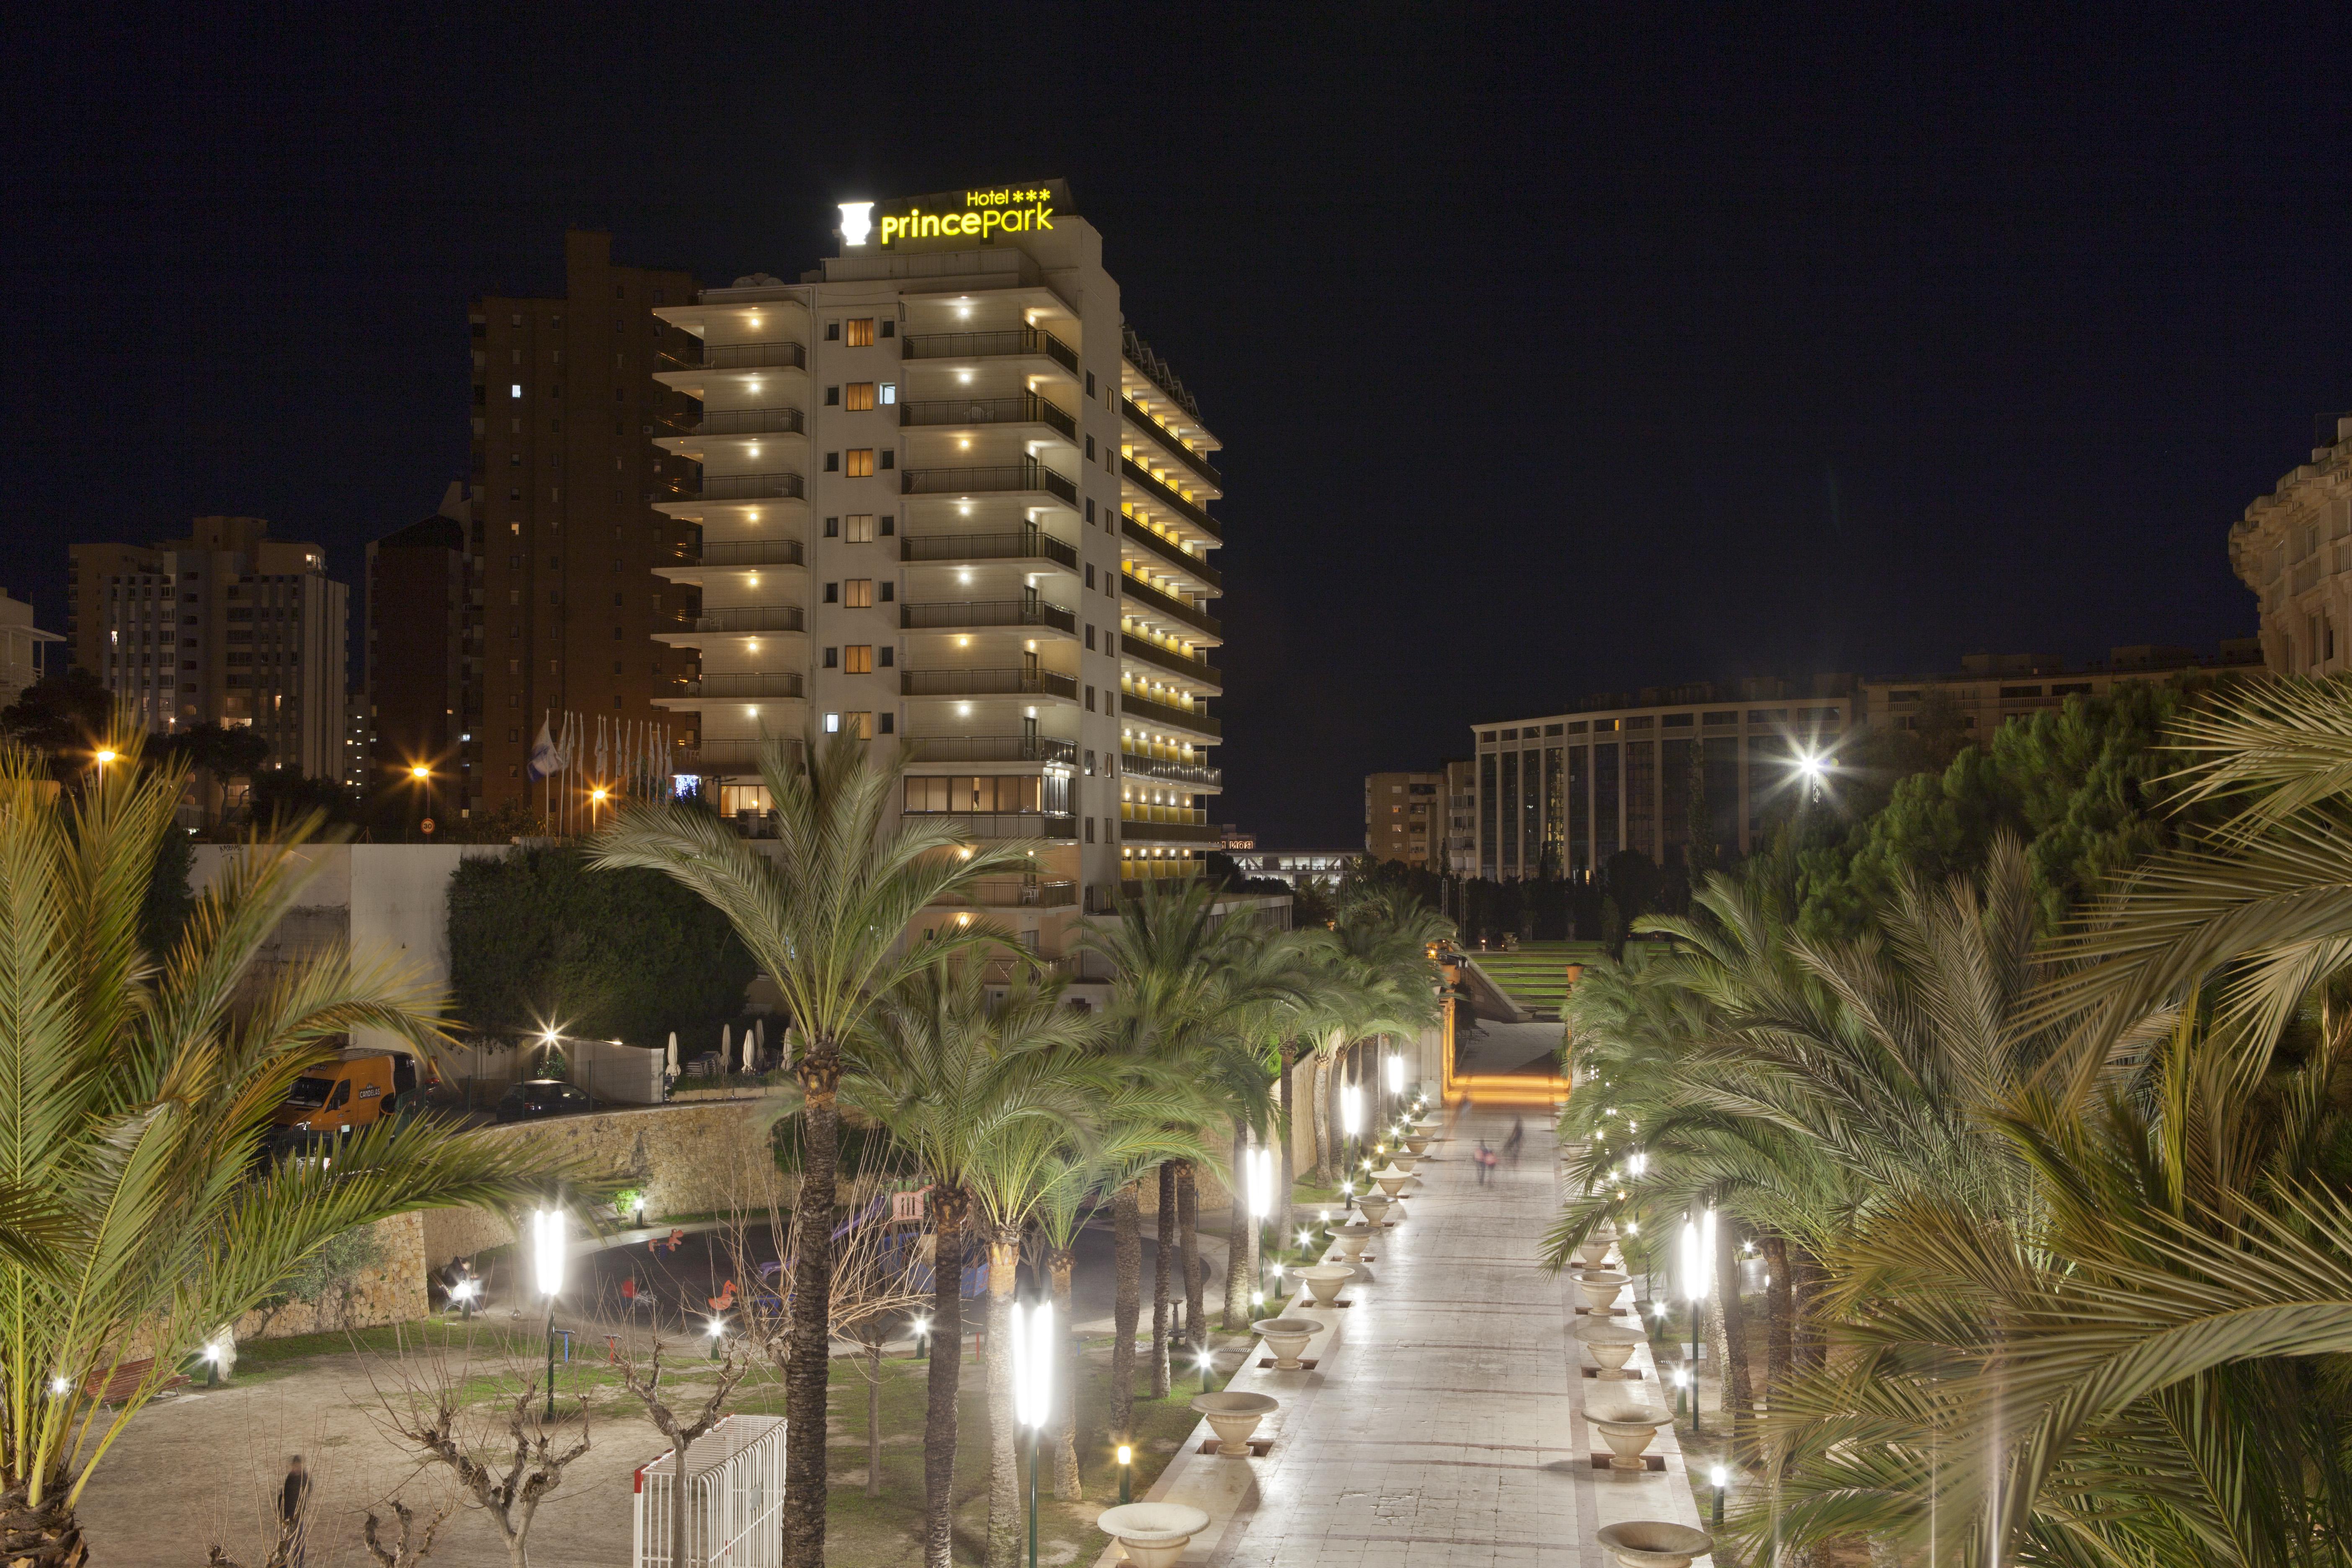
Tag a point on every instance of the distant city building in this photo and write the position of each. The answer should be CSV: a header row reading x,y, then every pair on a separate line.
x,y
1558,795
1291,865
1404,818
2294,548
227,626
359,759
422,671
1990,689
1230,837
568,530
22,661
1461,816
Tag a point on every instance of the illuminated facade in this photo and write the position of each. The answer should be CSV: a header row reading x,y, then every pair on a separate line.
x,y
2294,548
949,501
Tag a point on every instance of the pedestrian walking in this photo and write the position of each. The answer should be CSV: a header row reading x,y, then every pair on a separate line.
x,y
1511,1145
293,1501
1484,1160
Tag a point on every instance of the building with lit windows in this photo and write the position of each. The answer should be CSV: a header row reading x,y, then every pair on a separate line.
x,y
1558,795
1404,818
950,501
2294,548
23,648
227,627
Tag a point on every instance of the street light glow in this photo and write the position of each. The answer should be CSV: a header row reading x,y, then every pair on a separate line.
x,y
1396,1073
107,754
420,772
547,1251
1032,1361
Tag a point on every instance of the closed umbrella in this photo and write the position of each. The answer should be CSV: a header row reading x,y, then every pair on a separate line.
x,y
673,1053
748,1045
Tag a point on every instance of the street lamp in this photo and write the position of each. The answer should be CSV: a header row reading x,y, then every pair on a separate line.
x,y
718,1333
106,754
596,799
1032,1387
1698,1284
1396,1076
547,1256
1261,1196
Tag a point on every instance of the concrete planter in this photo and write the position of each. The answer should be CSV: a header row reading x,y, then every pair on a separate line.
x,y
1655,1544
1324,1279
1233,1416
1351,1239
1392,1180
1403,1159
1286,1337
1629,1431
1153,1533
1612,1348
1599,1287
1375,1207
1592,1252
1416,1142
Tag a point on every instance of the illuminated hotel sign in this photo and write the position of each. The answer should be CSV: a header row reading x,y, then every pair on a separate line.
x,y
955,220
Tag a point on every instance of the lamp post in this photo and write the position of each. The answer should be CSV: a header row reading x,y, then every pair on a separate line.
x,y
1261,1203
1698,1285
1351,1117
546,1255
1032,1387
1396,1079
596,799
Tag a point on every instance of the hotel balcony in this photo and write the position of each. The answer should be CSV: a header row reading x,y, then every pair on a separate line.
x,y
1004,823
1011,343
1158,601
1198,671
988,479
732,555
692,373
1193,775
736,688
1161,497
961,615
1190,719
1027,544
750,487
1018,894
750,422
734,755
1168,443
751,621
1137,830
1167,552
952,749
1027,409
992,682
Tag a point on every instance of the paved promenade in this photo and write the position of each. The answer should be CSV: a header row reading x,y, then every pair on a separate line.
x,y
1444,1421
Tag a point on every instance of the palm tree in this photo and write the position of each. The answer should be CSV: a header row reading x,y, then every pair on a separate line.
x,y
136,1091
828,919
950,1080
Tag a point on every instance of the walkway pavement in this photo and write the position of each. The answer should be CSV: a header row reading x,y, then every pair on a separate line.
x,y
1444,1422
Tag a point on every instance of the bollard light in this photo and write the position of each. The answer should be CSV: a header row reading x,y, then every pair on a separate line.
x,y
1126,1470
1208,1367
1722,1478
923,1330
717,1333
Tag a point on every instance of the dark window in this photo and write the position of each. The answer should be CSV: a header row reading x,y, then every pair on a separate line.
x,y
832,659
1090,574
832,528
832,593
889,459
833,397
889,722
888,656
1090,383
1090,639
833,462
833,332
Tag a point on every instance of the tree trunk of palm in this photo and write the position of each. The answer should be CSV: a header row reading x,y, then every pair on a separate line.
x,y
1810,1280
1163,1260
1778,1340
1059,1261
1126,1305
873,1425
1240,1226
48,1535
811,1364
1004,1508
1731,1338
1188,1247
948,1215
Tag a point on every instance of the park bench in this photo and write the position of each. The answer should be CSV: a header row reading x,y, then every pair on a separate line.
x,y
124,1381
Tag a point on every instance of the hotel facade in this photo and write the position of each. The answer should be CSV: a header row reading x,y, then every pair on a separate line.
x,y
951,501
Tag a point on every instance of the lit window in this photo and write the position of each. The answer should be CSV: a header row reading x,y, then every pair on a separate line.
x,y
861,462
859,724
833,723
861,528
858,593
889,392
857,659
857,396
860,335
515,391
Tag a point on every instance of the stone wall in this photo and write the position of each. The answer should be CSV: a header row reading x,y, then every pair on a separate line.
x,y
390,1290
689,1159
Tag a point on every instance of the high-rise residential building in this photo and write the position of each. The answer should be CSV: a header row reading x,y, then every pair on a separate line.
x,y
1558,795
951,501
423,669
2294,548
566,528
1461,817
22,659
359,744
1404,818
227,627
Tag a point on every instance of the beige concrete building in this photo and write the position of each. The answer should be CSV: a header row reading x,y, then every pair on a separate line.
x,y
1461,816
22,659
1404,818
2294,548
950,501
1990,689
227,626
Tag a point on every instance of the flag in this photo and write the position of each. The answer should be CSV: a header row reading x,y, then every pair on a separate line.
x,y
545,759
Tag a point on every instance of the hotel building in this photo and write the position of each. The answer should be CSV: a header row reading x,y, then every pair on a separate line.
x,y
2294,548
227,626
951,501
1404,818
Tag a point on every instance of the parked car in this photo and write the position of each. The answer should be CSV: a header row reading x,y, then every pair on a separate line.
x,y
542,1097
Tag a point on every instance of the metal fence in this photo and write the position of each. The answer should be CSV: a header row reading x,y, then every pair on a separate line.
x,y
734,1499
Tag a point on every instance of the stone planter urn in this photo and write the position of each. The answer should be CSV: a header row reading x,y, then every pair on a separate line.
x,y
1233,1416
1375,1207
1324,1279
1612,1347
1416,1142
1351,1239
1594,1252
1599,1287
1286,1337
1629,1430
1655,1544
1153,1533
1392,1180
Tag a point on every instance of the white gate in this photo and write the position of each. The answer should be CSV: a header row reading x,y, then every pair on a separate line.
x,y
735,1499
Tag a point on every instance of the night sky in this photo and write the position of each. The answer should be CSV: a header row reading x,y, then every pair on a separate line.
x,y
1672,344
